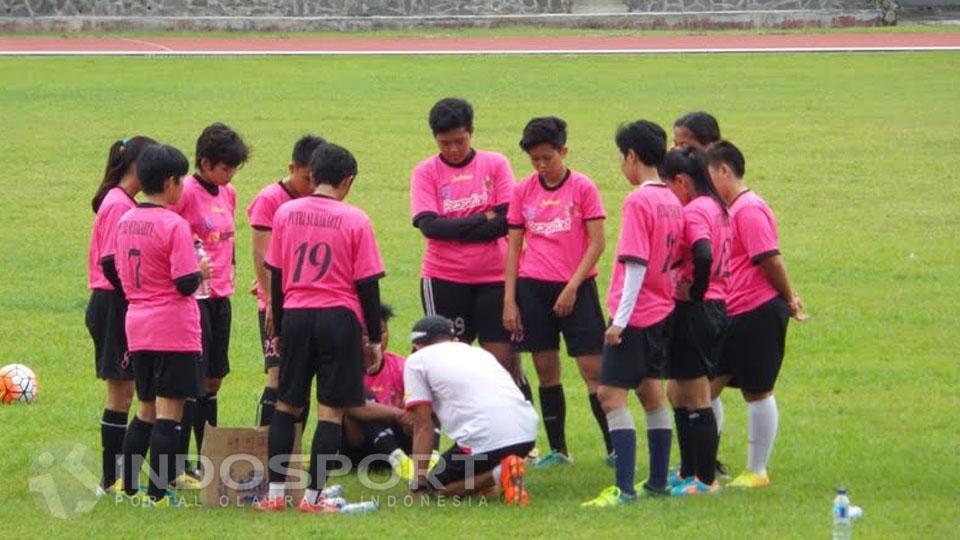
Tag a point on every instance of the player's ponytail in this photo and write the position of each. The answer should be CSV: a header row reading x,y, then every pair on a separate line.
x,y
123,155
691,161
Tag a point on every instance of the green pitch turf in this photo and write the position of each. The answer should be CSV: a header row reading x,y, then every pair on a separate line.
x,y
857,154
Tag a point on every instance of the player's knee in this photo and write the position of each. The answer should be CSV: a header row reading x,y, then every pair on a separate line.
x,y
756,396
286,408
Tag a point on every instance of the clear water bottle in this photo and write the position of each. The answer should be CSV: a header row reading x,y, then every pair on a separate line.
x,y
203,291
334,490
360,507
842,522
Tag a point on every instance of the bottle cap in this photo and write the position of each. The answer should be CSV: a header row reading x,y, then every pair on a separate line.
x,y
841,491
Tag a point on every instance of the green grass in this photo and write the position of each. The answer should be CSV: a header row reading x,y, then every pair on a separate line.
x,y
857,154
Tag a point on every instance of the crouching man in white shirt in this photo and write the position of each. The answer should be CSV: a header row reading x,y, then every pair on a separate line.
x,y
477,405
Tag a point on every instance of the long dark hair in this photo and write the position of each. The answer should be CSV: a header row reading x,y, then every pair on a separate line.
x,y
123,154
703,126
692,162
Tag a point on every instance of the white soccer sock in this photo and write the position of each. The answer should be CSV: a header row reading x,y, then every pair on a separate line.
x,y
762,420
312,496
717,406
276,490
496,475
659,419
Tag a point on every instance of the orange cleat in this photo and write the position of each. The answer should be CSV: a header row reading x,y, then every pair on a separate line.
x,y
270,504
511,481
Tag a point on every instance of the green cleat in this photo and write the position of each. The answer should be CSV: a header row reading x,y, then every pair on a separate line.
x,y
644,489
612,496
551,460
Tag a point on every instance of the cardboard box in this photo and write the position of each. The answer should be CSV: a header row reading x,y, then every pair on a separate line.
x,y
237,458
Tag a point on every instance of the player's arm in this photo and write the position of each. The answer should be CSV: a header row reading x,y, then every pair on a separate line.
x,y
595,246
494,227
276,300
261,241
109,266
372,411
511,312
702,262
776,272
423,433
433,226
634,271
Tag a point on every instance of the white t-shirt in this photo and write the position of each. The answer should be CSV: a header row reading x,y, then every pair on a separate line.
x,y
475,399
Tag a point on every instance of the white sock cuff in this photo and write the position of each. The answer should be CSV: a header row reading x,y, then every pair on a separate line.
x,y
620,419
312,496
276,489
769,401
496,475
659,419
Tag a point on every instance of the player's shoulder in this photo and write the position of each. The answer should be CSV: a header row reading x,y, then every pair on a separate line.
x,y
529,182
749,203
426,165
490,156
393,359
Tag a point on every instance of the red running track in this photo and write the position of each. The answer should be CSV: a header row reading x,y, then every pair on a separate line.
x,y
477,45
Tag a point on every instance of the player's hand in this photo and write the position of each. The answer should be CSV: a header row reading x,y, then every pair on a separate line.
x,y
268,328
405,419
612,337
511,317
253,288
564,304
372,353
205,269
682,291
796,309
489,214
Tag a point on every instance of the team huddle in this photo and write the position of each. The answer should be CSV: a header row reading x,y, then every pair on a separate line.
x,y
699,298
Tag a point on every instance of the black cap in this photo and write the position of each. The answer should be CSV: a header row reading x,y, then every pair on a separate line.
x,y
431,327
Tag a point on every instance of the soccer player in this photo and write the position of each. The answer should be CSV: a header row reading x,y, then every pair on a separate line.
x,y
325,268
555,239
699,319
158,269
641,297
108,307
208,204
459,201
478,406
698,129
760,302
260,214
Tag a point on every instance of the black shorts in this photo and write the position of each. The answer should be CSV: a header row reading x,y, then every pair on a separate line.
x,y
698,330
215,316
271,356
643,353
582,330
475,309
454,465
166,374
106,316
753,348
326,343
356,454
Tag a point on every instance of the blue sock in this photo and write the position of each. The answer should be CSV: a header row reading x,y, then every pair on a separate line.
x,y
659,438
623,436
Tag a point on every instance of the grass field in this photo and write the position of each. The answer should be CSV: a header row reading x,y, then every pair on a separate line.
x,y
856,153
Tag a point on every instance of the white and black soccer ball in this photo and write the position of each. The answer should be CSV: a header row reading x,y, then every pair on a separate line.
x,y
18,384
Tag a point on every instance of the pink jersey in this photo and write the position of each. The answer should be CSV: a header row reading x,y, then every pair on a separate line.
x,y
260,213
705,219
456,192
211,220
650,232
554,224
154,248
323,247
754,238
387,385
114,205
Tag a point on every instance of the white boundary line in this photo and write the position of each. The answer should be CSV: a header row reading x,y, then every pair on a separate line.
x,y
449,52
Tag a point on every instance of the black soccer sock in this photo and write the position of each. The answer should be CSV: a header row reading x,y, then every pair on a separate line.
x,y
380,436
268,402
703,434
688,459
554,408
135,445
601,419
302,420
186,427
113,427
164,441
199,420
206,414
524,386
280,443
326,442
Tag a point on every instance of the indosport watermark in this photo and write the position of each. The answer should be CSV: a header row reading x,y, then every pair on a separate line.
x,y
65,479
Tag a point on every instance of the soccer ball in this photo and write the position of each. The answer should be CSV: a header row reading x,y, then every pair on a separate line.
x,y
18,384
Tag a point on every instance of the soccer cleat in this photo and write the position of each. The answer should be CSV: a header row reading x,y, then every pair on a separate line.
x,y
722,473
611,496
553,459
533,455
270,504
323,506
674,479
693,486
511,481
115,488
185,481
434,459
644,489
750,479
404,467
612,460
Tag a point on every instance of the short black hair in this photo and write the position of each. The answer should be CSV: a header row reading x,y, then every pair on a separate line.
x,y
545,129
221,144
725,152
157,163
331,163
303,150
702,125
647,139
449,114
386,311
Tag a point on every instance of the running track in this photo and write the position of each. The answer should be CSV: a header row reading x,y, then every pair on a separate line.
x,y
29,46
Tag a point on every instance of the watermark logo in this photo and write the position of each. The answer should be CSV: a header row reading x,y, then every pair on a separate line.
x,y
64,479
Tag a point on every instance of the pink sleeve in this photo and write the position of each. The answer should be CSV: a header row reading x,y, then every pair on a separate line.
x,y
591,205
367,262
107,229
423,193
183,256
515,215
696,225
261,212
757,232
274,256
504,182
634,244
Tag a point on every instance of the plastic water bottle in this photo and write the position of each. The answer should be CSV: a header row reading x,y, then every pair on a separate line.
x,y
334,490
203,291
842,522
360,507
